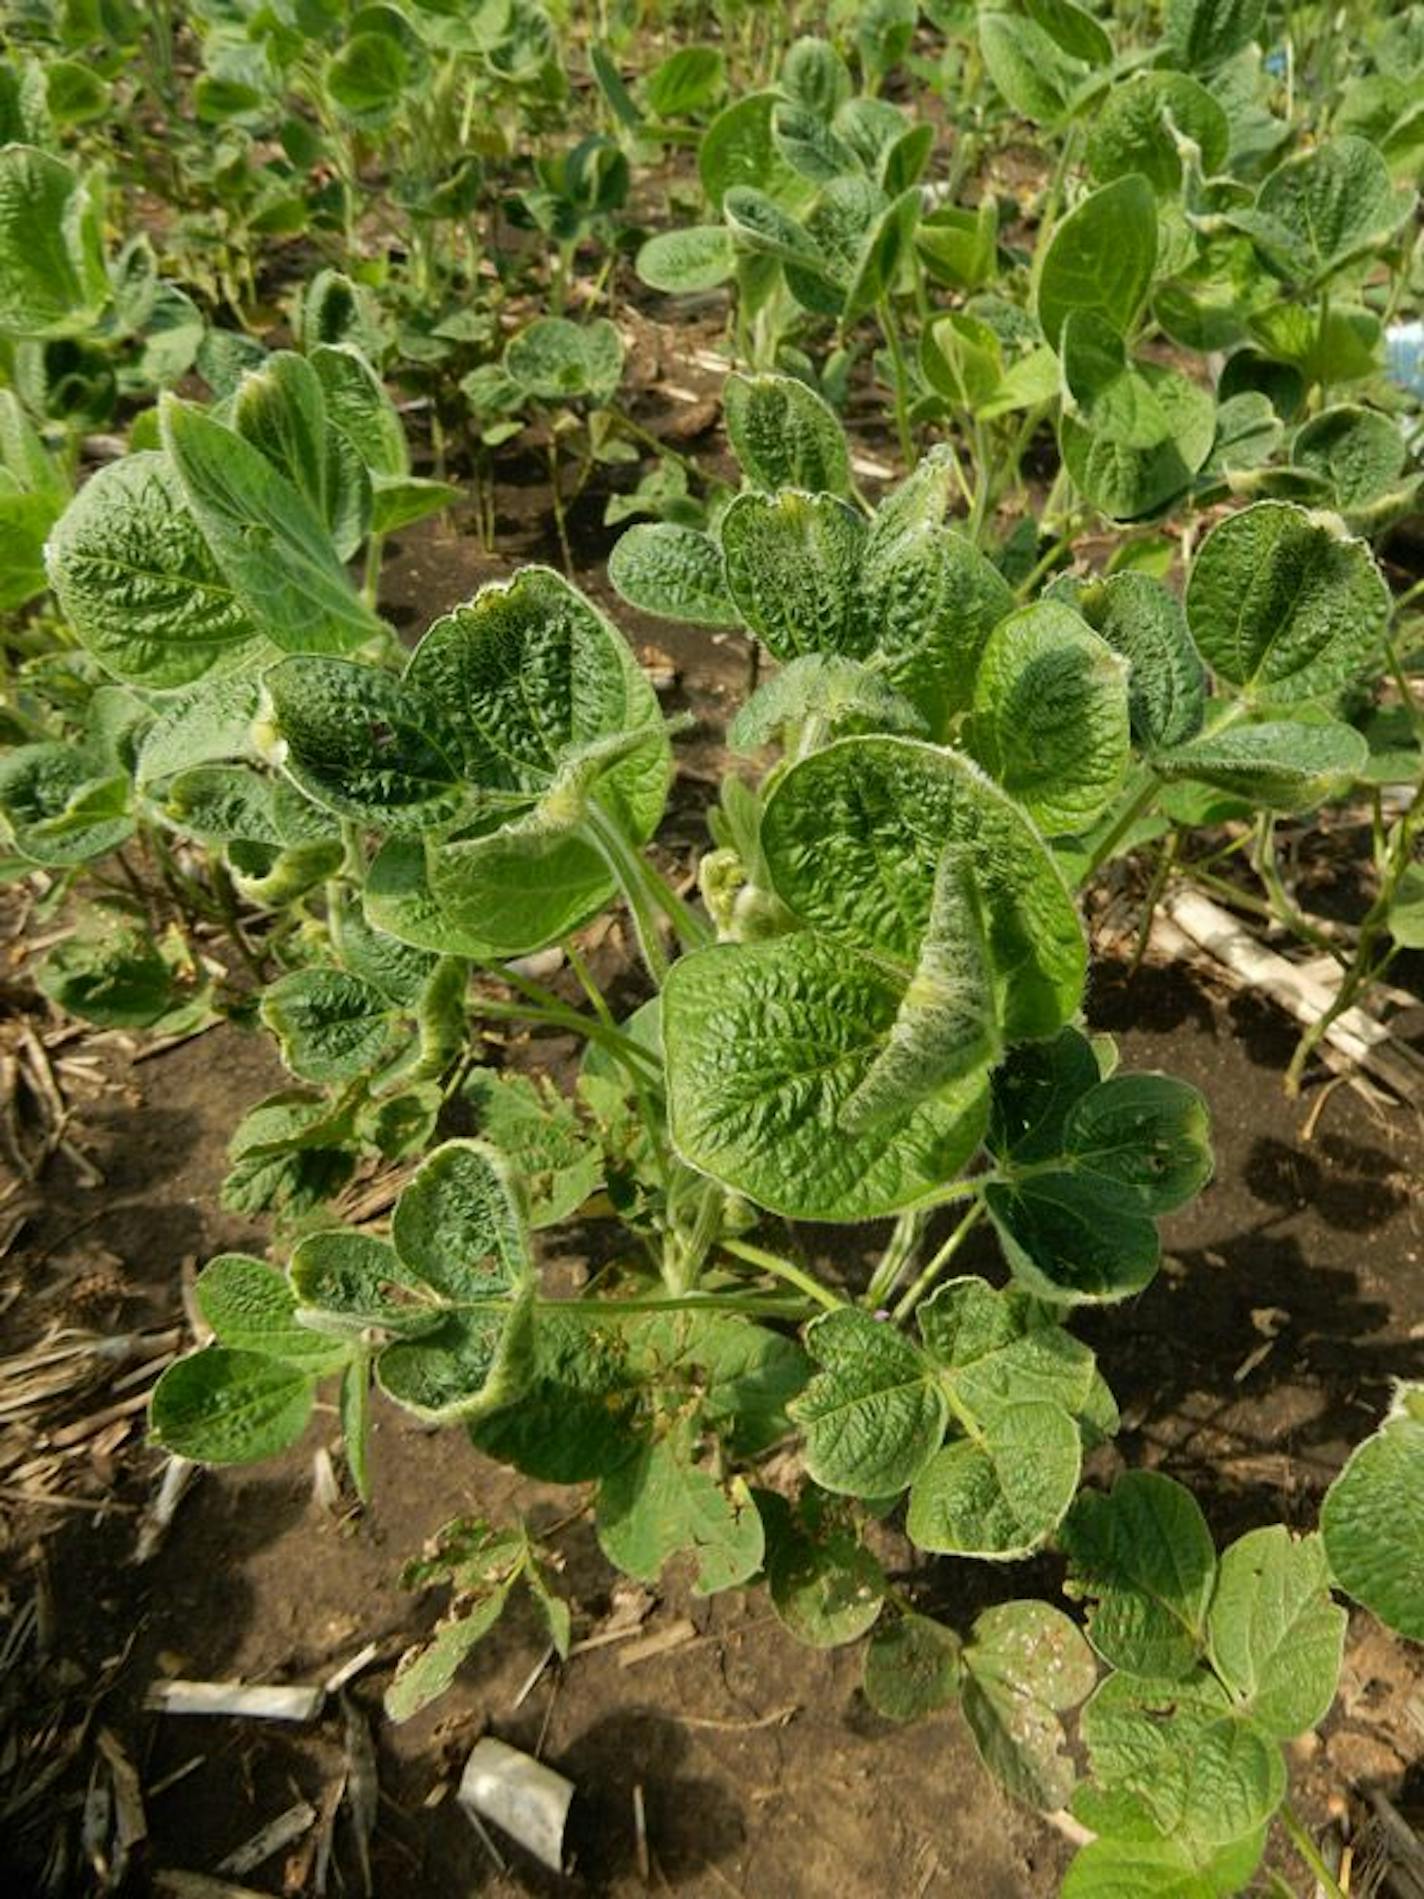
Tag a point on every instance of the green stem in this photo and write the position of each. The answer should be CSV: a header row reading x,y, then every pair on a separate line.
x,y
897,1259
902,382
941,1261
558,1015
1142,796
1309,1851
626,866
782,1269
599,1311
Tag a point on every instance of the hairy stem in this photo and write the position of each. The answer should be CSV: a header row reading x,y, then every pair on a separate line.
x,y
782,1269
941,1262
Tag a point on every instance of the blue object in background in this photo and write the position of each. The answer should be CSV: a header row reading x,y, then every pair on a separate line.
x,y
1404,356
1275,63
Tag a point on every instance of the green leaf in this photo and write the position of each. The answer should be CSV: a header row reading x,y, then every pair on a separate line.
x,y
222,1406
363,744
528,675
330,1026
1140,125
681,262
738,149
281,410
1002,1491
1359,452
660,1503
1132,434
873,1416
1156,1868
136,580
912,1667
574,1416
1283,605
792,567
531,1123
672,571
1284,765
52,277
1025,1663
1050,718
251,1307
1166,687
946,1026
1034,1088
270,545
1372,1519
1037,77
784,435
1144,1556
825,1586
843,694
62,805
853,838
1207,1775
1324,208
929,598
554,360
999,1348
458,1223
686,82
348,1284
358,404
1101,258
1276,1638
1406,908
766,1044
1205,33
426,1672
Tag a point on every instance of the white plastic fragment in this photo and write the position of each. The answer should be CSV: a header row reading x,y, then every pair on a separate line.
x,y
257,1701
524,1798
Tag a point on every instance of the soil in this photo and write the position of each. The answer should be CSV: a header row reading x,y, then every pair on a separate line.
x,y
1291,1295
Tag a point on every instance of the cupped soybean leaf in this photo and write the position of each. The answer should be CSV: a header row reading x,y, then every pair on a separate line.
x,y
793,566
398,500
1141,124
509,892
946,1027
844,694
738,149
1050,719
1206,1775
673,571
137,582
1143,1556
218,803
357,403
1342,344
1324,208
687,81
766,1043
1406,909
1283,604
399,971
1133,434
52,277
529,671
883,248
556,360
1037,77
269,543
1203,34
1276,1637
475,1362
680,262
367,78
912,1667
251,1307
62,805
662,1503
112,973
1284,765
825,1586
363,744
813,72
963,359
281,410
227,1406
1101,258
1024,1665
854,835
874,1414
999,1348
765,228
398,899
1148,1134
1002,1492
930,598
810,147
1166,687
458,1223
784,435
1372,1519
1359,452
330,1026
349,1283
